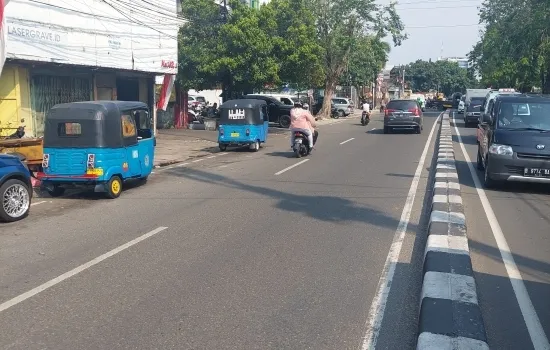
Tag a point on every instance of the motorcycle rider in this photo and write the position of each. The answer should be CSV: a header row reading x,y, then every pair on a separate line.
x,y
301,120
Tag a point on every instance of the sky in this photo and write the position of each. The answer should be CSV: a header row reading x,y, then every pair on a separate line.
x,y
429,23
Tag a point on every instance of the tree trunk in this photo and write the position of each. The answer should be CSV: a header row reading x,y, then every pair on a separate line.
x,y
330,86
546,83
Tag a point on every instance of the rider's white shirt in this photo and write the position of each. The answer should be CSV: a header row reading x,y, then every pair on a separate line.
x,y
366,107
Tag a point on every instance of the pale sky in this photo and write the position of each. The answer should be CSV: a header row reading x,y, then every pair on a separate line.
x,y
431,22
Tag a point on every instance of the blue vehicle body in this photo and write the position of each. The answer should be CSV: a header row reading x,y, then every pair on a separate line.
x,y
243,122
14,173
92,143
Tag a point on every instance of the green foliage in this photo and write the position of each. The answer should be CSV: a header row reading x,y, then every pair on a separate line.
x,y
367,59
514,50
444,76
343,27
253,48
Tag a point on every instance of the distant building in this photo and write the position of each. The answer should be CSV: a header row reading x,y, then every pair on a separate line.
x,y
462,61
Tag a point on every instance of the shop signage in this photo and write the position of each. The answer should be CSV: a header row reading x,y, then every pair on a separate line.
x,y
37,34
168,64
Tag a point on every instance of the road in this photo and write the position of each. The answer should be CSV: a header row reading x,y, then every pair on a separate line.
x,y
238,251
522,221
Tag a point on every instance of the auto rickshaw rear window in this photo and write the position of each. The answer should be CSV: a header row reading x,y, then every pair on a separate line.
x,y
69,129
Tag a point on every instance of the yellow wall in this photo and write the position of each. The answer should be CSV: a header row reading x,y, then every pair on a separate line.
x,y
14,100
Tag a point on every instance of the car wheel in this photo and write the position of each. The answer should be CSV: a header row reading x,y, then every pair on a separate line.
x,y
16,200
284,121
386,130
418,130
488,182
479,160
114,187
341,114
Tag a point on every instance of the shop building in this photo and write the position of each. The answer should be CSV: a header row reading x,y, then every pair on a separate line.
x,y
69,51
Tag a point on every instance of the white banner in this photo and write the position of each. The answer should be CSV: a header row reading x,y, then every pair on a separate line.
x,y
3,33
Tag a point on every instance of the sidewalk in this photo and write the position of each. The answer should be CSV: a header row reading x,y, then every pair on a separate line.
x,y
178,145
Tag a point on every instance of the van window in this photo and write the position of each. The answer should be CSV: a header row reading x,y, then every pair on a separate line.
x,y
200,99
287,101
128,126
69,129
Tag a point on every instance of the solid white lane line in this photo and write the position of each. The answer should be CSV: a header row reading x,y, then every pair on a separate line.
x,y
353,138
37,203
290,167
22,297
378,306
532,321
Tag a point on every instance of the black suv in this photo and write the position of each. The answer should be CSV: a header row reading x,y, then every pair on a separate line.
x,y
403,114
279,113
514,140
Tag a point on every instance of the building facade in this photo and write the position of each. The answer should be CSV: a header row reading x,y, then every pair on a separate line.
x,y
67,51
462,61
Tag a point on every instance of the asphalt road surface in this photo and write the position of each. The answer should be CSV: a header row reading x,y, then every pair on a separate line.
x,y
514,296
238,250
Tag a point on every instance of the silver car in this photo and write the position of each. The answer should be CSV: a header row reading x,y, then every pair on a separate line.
x,y
344,107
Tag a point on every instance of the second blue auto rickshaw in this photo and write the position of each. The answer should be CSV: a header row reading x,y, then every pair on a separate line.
x,y
97,144
243,122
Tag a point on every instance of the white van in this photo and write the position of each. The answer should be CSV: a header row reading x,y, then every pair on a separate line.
x,y
288,100
493,94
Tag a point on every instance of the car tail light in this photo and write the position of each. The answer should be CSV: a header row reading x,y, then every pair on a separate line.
x,y
221,131
387,112
45,160
414,111
91,161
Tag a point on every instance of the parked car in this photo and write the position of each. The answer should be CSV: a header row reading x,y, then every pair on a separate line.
x,y
196,102
343,106
403,114
514,140
316,108
15,188
279,113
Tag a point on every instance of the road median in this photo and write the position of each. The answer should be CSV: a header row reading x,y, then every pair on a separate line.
x,y
450,317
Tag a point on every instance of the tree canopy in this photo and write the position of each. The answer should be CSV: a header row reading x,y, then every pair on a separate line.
x,y
443,76
307,43
514,50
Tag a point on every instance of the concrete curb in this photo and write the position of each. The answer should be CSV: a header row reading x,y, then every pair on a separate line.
x,y
450,317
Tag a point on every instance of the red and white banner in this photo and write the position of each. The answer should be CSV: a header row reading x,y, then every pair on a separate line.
x,y
3,33
166,91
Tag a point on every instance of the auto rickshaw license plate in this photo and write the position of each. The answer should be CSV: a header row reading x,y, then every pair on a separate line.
x,y
235,134
95,171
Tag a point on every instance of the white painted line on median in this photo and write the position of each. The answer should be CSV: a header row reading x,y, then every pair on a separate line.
x,y
353,138
210,157
197,160
458,287
180,165
433,341
532,321
378,306
290,167
38,203
22,297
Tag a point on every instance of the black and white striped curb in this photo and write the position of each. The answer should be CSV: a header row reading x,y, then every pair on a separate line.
x,y
450,317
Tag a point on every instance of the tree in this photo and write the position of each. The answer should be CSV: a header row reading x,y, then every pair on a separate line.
x,y
444,76
366,60
518,58
341,25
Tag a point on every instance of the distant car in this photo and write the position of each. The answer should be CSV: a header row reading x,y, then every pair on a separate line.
x,y
15,188
278,112
403,114
473,111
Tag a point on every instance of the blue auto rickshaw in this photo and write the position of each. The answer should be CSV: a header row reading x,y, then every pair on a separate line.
x,y
97,144
243,122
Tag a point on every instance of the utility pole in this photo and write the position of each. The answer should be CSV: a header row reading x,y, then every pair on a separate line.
x,y
403,82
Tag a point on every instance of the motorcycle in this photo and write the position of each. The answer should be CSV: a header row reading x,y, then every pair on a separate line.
x,y
365,118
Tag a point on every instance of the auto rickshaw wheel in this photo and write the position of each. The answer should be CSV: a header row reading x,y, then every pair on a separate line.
x,y
56,191
223,148
114,187
255,146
